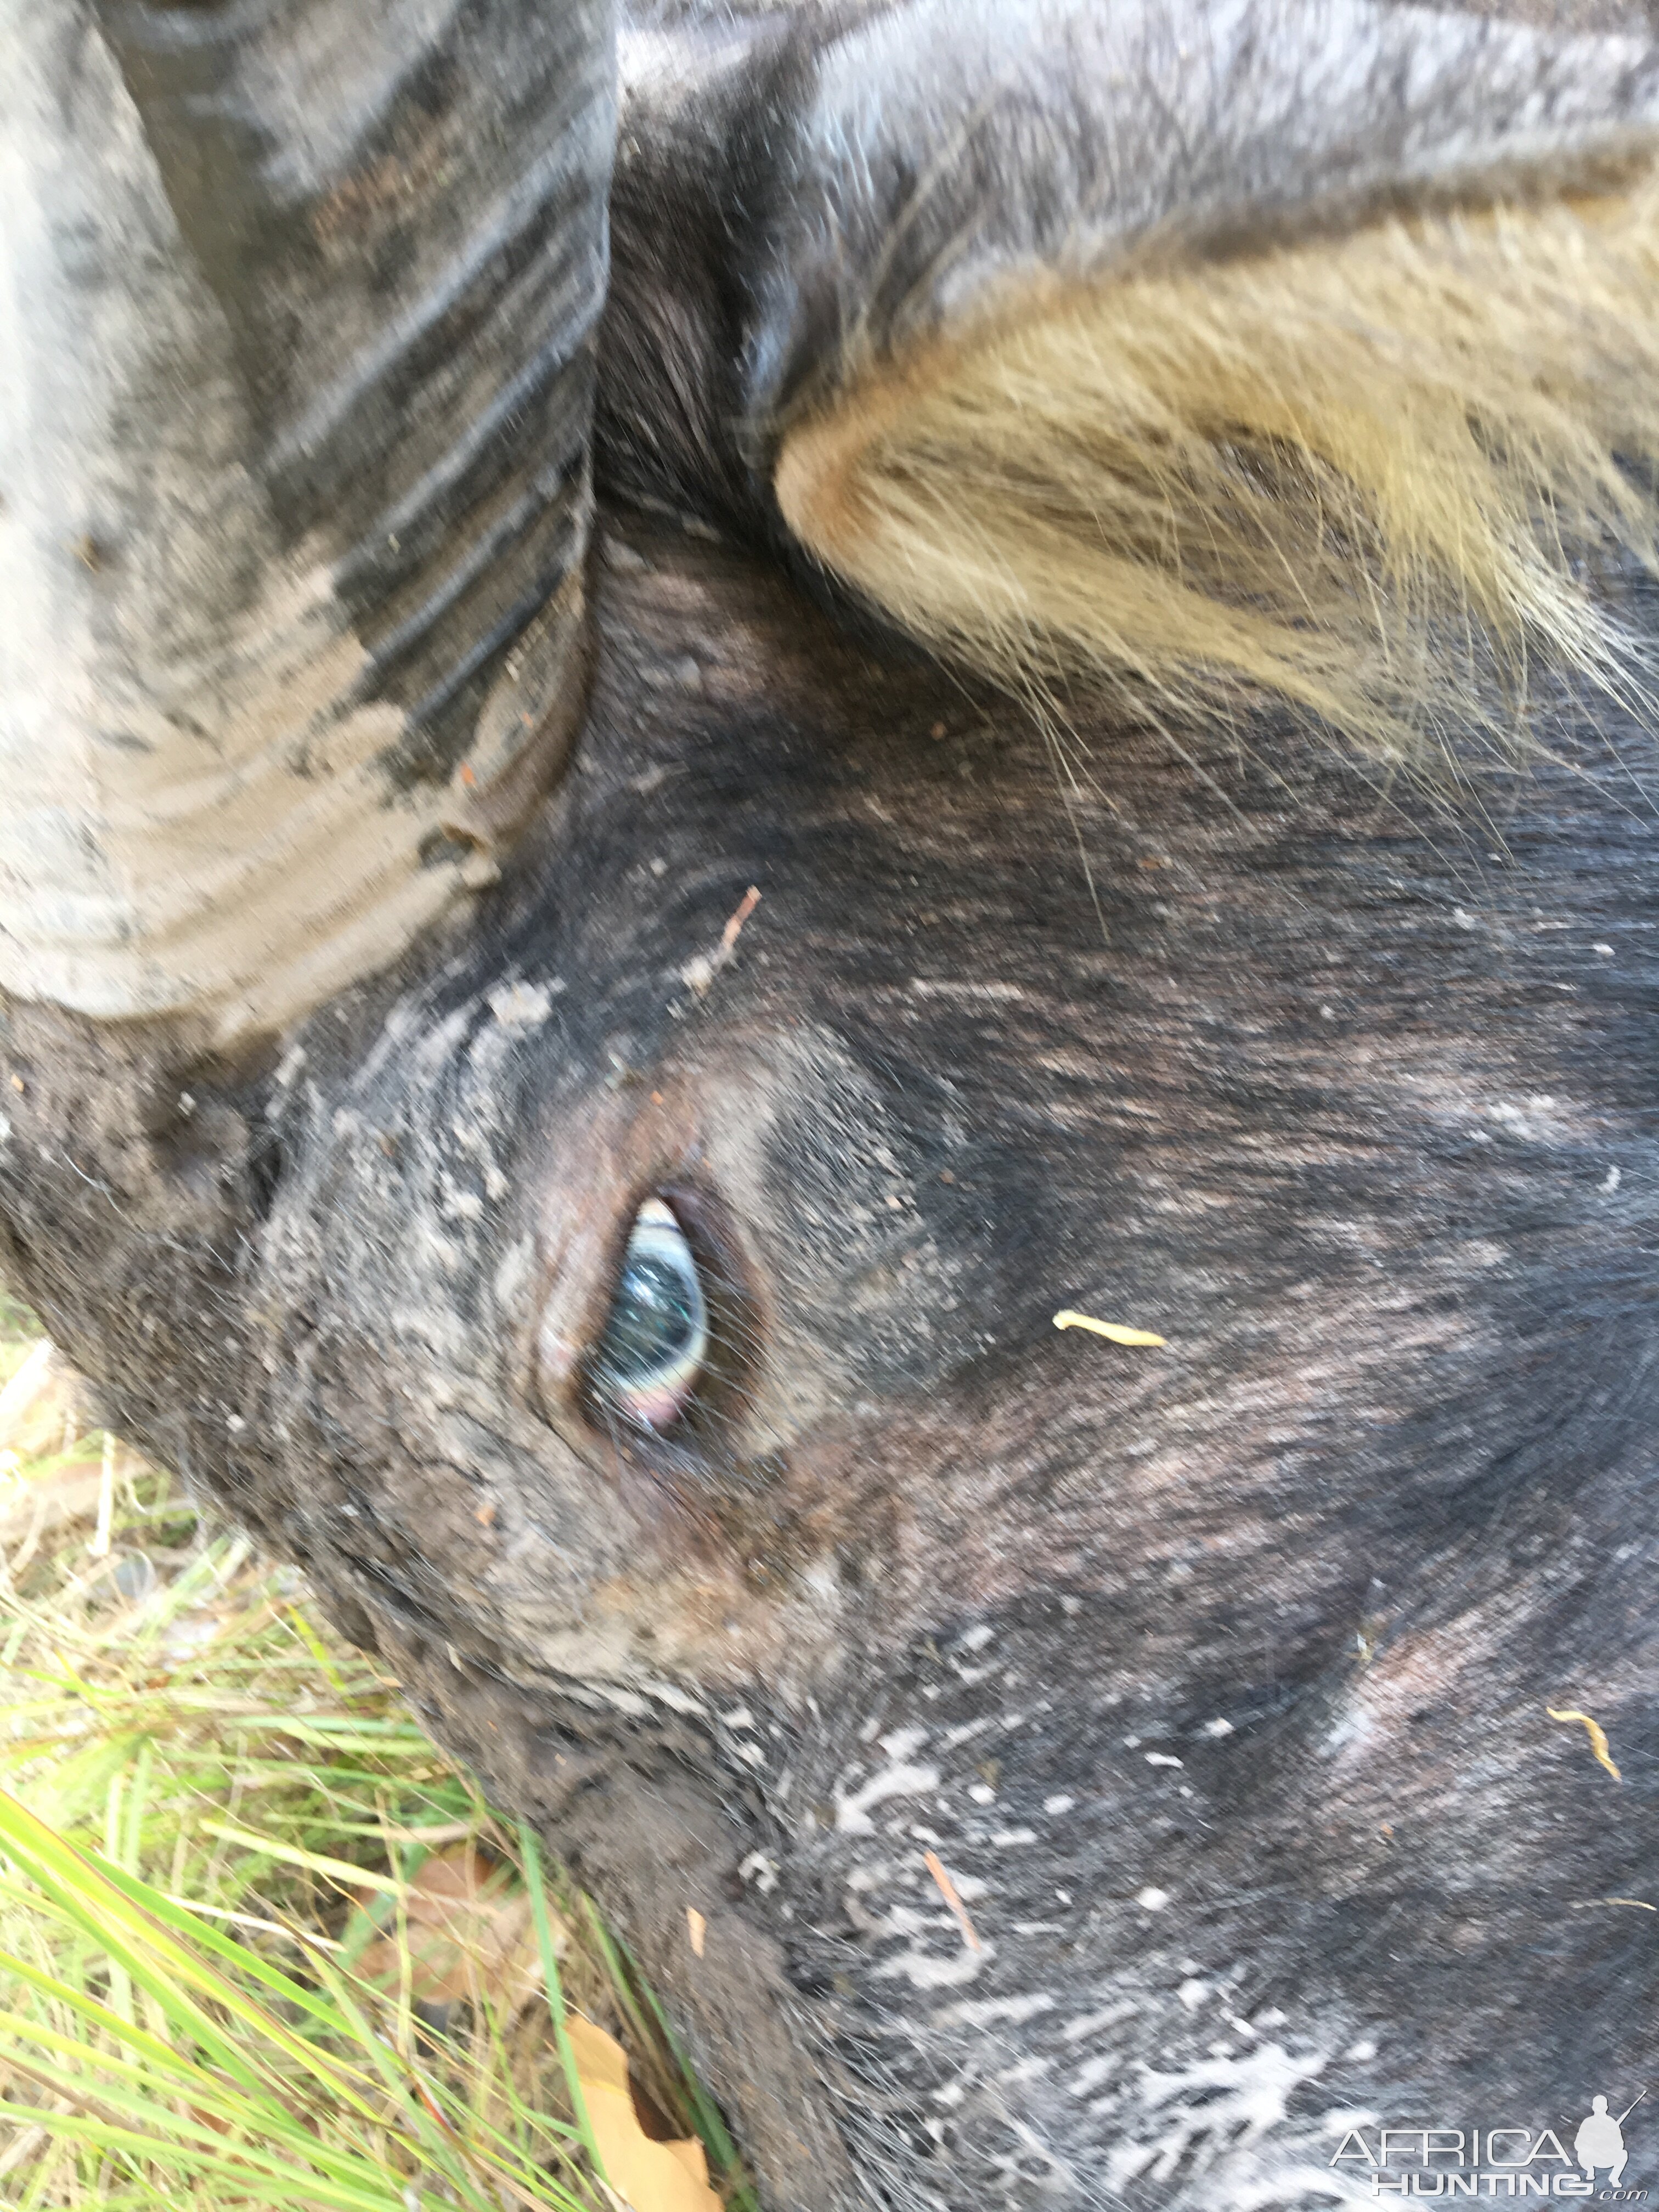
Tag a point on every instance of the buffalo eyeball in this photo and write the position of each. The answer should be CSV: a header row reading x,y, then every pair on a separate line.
x,y
655,1341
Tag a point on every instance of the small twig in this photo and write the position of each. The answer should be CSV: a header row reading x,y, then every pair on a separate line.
x,y
699,973
747,906
947,1890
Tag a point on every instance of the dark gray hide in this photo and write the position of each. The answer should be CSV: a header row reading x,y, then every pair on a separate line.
x,y
1216,1676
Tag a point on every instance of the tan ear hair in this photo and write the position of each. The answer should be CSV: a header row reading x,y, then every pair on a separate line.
x,y
1353,472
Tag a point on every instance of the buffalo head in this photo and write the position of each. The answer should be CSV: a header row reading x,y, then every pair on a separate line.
x,y
697,723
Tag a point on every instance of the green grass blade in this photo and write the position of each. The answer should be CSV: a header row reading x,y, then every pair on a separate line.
x,y
379,2191
341,1870
97,2016
536,1882
128,1931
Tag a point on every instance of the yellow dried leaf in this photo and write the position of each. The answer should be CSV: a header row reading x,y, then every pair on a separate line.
x,y
1596,1733
650,2177
468,1932
1114,1331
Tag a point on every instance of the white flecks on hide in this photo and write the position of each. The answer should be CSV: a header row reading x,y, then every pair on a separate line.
x,y
441,1252
904,1743
870,1877
924,1971
966,1732
513,1274
1026,2070
458,1205
1091,2023
439,1046
903,1920
759,1871
519,1006
1216,2104
1351,1726
899,1780
1062,2174
1343,2119
967,1887
595,1691
991,2012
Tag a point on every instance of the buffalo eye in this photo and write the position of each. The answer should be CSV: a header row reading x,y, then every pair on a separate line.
x,y
650,1357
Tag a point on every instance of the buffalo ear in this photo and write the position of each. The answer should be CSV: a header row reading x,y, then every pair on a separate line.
x,y
1306,372
297,479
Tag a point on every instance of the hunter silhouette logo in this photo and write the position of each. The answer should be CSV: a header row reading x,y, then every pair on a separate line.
x,y
1600,2140
1506,2161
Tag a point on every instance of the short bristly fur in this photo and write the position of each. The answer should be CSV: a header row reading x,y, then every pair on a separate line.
x,y
1360,474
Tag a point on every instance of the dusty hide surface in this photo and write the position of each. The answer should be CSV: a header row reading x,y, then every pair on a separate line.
x,y
1328,1083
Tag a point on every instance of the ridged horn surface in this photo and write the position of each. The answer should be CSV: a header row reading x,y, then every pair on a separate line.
x,y
302,298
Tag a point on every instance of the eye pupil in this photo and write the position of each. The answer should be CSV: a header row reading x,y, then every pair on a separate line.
x,y
654,1317
650,1356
